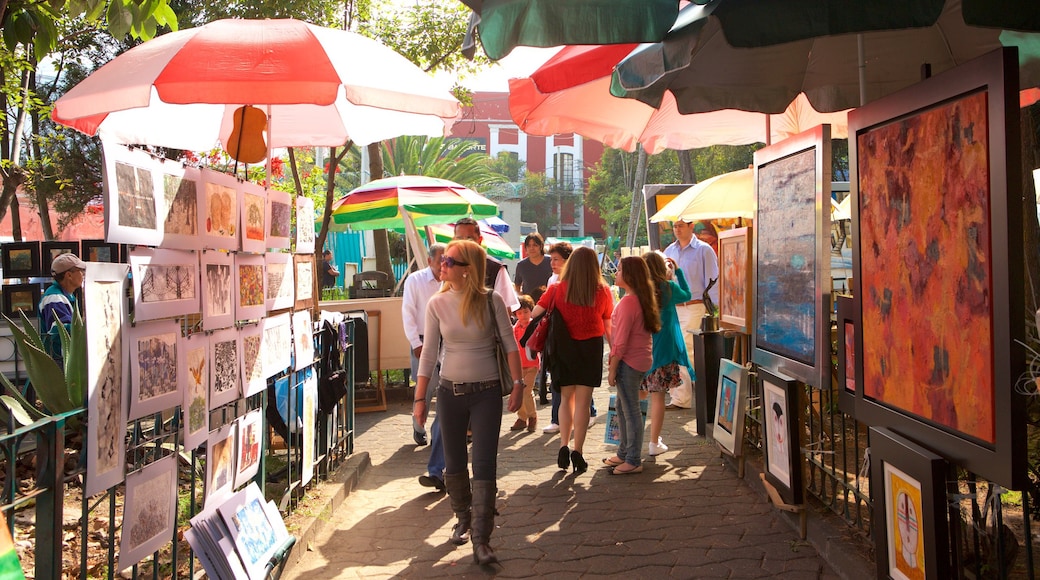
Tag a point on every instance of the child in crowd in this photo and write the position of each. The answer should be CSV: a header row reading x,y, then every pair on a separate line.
x,y
527,415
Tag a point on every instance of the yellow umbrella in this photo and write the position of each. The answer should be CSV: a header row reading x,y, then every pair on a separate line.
x,y
730,195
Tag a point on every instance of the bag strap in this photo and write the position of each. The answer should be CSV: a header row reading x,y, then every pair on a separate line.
x,y
494,321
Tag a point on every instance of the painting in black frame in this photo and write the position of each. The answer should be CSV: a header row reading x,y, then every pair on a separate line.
x,y
781,425
52,249
908,485
20,297
960,308
100,251
20,259
791,274
847,353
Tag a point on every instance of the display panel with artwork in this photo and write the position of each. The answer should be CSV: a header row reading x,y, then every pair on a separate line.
x,y
253,214
218,296
225,372
250,298
149,512
730,404
304,225
940,292
153,355
277,344
281,286
52,249
735,255
220,464
279,219
180,207
218,210
130,181
250,440
251,349
781,424
194,376
304,281
792,257
21,259
847,353
101,251
166,283
17,298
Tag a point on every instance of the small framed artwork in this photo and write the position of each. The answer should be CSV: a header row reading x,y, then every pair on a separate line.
x,y
52,249
218,210
218,307
20,298
310,411
180,207
735,255
131,181
281,287
303,339
194,376
911,535
250,298
847,353
781,409
304,225
250,440
104,292
154,362
279,219
250,354
220,464
304,280
277,344
166,283
253,211
730,405
225,384
100,251
149,512
21,259
255,526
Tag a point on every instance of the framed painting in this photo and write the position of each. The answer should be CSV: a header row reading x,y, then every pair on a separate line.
x,y
21,260
180,207
277,344
792,284
256,528
154,364
304,225
735,255
250,354
166,283
218,210
220,464
52,249
194,375
225,379
130,181
730,405
781,422
250,441
304,280
250,298
253,212
941,292
279,219
20,298
100,251
104,292
911,535
303,339
218,308
149,511
847,353
281,287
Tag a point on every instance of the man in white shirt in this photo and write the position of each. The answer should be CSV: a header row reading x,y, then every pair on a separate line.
x,y
469,229
419,287
700,265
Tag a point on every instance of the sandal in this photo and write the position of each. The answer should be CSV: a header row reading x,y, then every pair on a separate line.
x,y
613,461
626,468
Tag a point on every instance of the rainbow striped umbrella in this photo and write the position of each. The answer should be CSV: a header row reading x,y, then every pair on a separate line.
x,y
493,243
430,200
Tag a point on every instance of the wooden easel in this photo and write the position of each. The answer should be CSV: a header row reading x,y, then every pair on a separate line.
x,y
778,502
378,402
739,459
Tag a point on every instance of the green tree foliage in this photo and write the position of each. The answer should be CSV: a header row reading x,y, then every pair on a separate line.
x,y
320,12
452,159
40,24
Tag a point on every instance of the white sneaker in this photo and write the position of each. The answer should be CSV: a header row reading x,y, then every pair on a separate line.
x,y
657,448
551,428
592,421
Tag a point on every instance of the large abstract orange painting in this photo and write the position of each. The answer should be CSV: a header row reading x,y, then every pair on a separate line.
x,y
926,266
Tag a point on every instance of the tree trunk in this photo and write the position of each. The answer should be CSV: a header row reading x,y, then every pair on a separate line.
x,y
16,219
637,196
380,237
330,194
14,178
42,202
686,166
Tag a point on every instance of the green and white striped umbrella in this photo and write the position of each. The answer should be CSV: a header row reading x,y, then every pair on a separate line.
x,y
430,200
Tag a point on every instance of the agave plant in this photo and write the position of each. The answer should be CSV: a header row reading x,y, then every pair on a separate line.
x,y
60,388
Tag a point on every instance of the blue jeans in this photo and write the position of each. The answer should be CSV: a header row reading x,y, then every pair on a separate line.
x,y
431,388
630,418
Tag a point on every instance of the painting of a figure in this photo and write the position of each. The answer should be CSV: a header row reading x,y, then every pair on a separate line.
x,y
136,192
778,458
222,210
905,535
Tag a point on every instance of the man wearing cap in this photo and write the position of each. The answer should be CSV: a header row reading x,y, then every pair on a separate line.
x,y
59,299
700,265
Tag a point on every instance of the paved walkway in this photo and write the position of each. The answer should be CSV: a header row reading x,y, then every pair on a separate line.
x,y
687,515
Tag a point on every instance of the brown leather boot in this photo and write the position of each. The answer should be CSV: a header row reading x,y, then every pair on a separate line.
x,y
461,500
483,521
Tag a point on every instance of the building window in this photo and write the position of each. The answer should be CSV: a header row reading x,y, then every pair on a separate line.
x,y
563,170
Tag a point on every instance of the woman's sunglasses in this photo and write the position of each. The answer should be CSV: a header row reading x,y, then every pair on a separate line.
x,y
452,262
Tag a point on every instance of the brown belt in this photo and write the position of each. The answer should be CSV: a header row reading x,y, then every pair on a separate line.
x,y
691,302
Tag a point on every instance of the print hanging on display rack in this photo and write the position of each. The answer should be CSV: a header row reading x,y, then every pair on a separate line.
x,y
303,339
130,181
220,464
218,211
180,207
250,435
218,310
304,280
279,219
253,210
153,355
104,292
277,344
250,299
304,225
166,283
20,298
250,353
149,512
52,249
100,251
20,259
225,372
194,374
310,410
281,286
